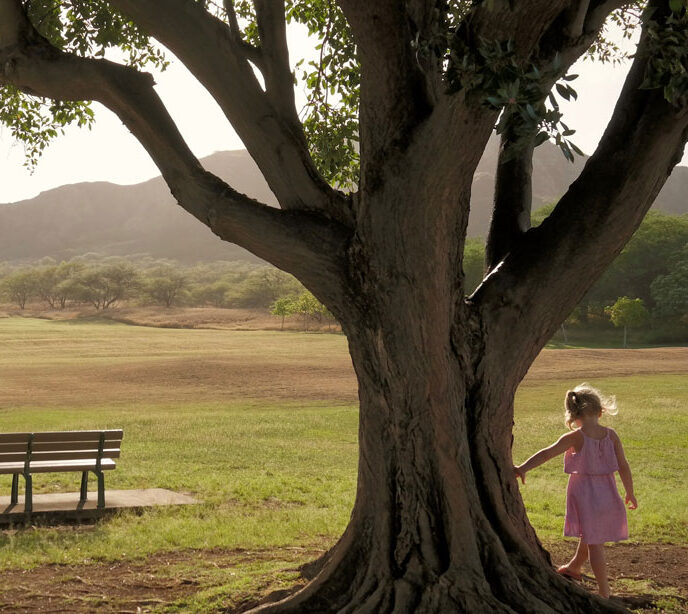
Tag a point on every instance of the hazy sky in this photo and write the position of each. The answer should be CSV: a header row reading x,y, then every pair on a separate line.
x,y
109,153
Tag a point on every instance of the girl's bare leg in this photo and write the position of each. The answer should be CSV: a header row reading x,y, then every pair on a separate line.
x,y
598,562
578,560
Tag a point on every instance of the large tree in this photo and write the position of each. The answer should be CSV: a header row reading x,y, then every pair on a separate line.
x,y
438,523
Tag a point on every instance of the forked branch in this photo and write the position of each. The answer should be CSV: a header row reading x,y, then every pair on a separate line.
x,y
209,49
279,81
305,244
395,96
567,38
253,54
538,284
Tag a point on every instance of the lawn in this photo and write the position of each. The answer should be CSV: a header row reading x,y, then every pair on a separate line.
x,y
275,468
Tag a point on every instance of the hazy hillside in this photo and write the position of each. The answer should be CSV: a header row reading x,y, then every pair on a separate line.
x,y
143,219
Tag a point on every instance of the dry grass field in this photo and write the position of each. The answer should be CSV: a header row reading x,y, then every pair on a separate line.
x,y
215,318
79,362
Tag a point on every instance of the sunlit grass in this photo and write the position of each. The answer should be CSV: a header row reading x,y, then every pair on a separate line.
x,y
267,476
282,473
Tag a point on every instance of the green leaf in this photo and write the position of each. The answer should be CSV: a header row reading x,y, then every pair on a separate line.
x,y
576,149
563,91
541,138
566,151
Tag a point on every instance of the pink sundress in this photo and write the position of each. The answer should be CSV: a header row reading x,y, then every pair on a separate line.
x,y
594,509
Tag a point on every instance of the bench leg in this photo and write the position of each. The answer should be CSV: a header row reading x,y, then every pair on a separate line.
x,y
28,494
84,486
101,490
15,489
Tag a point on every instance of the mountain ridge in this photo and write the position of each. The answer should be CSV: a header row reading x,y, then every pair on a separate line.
x,y
143,219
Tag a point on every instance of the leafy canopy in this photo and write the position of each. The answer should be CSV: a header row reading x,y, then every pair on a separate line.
x,y
87,28
670,291
628,312
488,69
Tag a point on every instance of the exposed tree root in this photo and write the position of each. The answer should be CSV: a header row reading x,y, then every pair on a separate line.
x,y
355,587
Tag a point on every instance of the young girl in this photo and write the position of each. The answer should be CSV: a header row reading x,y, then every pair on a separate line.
x,y
594,510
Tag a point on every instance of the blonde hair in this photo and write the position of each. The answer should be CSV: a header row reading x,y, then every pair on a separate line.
x,y
584,400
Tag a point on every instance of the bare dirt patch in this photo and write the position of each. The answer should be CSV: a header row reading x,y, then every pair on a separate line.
x,y
141,586
645,577
136,586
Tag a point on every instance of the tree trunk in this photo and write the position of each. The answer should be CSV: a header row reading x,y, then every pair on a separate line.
x,y
438,524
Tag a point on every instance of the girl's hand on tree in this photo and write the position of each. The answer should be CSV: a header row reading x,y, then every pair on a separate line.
x,y
519,473
631,501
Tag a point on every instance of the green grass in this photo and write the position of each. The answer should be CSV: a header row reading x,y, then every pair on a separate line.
x,y
268,476
285,474
222,589
274,474
612,338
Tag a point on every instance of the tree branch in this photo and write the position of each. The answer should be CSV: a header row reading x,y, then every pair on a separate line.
x,y
540,27
209,50
279,81
425,21
512,199
576,19
524,24
538,284
569,36
597,15
251,53
299,242
394,91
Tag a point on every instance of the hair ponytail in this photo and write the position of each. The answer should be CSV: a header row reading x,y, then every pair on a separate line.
x,y
572,407
586,400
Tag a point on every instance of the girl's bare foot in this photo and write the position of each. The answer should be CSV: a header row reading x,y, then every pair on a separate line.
x,y
568,572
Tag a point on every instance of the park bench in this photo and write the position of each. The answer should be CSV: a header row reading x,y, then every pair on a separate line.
x,y
58,451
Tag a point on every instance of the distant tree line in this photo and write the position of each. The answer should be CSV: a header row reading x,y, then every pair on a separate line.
x,y
646,286
106,282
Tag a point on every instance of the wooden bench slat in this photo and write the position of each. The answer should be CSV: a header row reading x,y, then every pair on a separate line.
x,y
45,436
6,448
58,466
49,446
13,457
20,457
14,437
76,435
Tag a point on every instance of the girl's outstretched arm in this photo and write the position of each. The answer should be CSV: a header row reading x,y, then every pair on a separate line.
x,y
624,471
566,441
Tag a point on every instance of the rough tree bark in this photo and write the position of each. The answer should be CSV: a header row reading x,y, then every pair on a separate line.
x,y
438,523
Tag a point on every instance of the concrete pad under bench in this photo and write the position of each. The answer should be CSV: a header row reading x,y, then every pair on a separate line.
x,y
66,506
